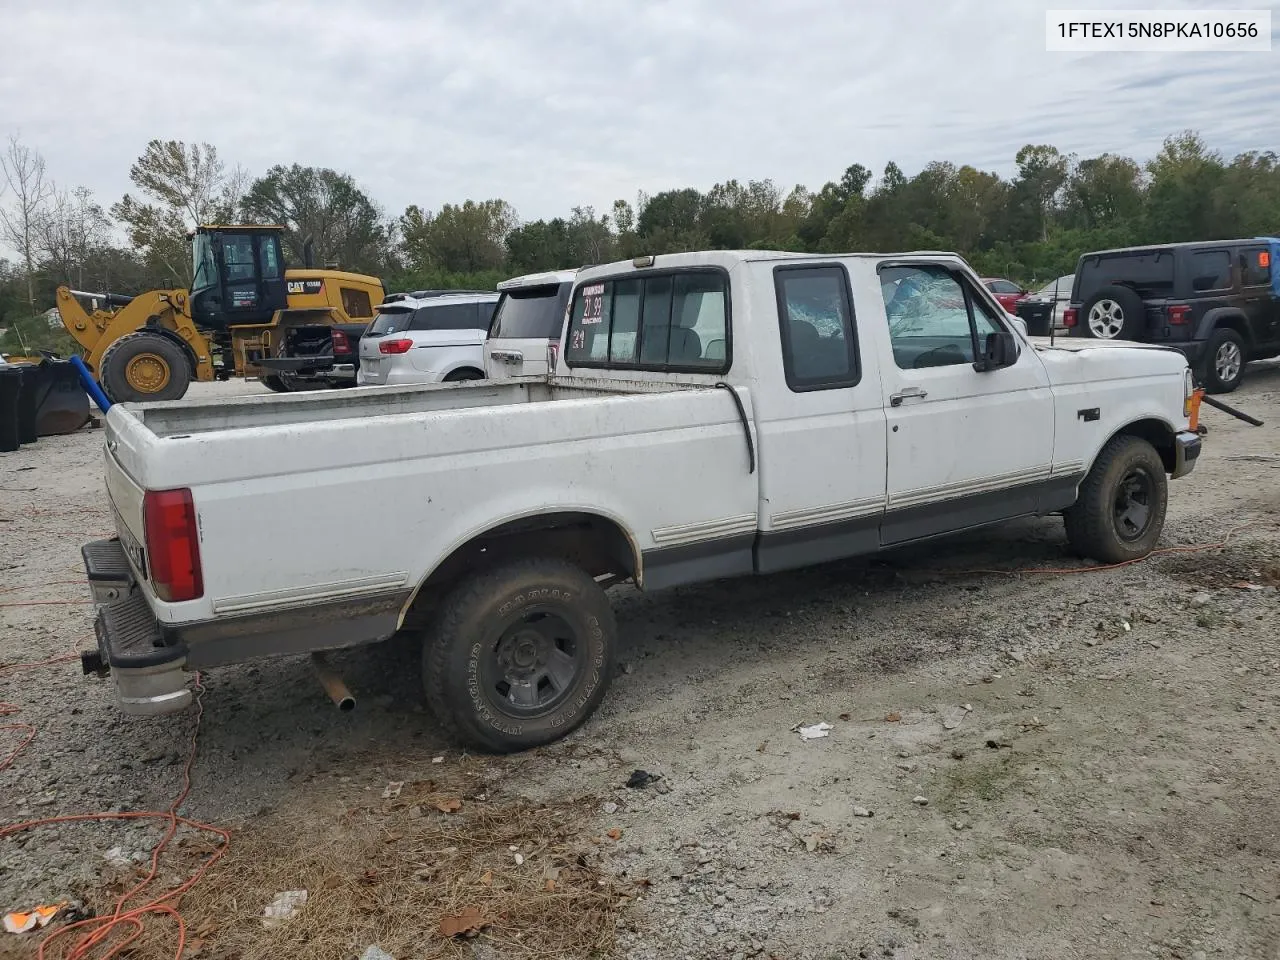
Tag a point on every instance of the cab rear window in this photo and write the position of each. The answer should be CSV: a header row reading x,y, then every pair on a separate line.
x,y
655,321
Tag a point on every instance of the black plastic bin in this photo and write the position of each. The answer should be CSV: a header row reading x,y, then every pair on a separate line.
x,y
10,387
35,384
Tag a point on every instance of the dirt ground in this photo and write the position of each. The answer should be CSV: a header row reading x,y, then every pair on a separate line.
x,y
1019,766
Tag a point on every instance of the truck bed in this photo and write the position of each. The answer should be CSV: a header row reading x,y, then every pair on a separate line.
x,y
188,418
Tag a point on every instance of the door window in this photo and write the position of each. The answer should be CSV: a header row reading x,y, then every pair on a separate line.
x,y
1255,267
1211,270
447,316
237,257
934,321
271,260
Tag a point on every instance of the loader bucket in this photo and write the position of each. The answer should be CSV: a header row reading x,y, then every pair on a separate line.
x,y
62,406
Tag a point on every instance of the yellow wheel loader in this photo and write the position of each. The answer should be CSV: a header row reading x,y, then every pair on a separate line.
x,y
240,310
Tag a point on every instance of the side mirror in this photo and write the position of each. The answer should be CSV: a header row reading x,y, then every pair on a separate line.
x,y
1001,350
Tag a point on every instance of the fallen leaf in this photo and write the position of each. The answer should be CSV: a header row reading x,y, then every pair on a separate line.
x,y
392,789
812,841
549,885
893,717
487,877
615,834
792,816
469,920
761,748
194,948
844,716
452,805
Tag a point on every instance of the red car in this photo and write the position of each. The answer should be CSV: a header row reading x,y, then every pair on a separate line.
x,y
1006,291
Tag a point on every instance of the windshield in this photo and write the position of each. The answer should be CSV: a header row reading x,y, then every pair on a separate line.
x,y
389,321
530,312
1063,286
205,274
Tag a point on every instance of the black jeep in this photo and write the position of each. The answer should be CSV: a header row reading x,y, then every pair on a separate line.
x,y
1217,302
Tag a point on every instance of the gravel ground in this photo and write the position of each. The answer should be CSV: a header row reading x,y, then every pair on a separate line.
x,y
1024,766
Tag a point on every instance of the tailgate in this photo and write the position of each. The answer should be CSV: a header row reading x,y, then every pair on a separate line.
x,y
125,499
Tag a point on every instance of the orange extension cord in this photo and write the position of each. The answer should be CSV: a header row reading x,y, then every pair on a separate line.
x,y
102,933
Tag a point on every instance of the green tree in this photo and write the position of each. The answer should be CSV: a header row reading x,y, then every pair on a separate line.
x,y
1185,175
22,175
1042,171
347,227
463,238
184,186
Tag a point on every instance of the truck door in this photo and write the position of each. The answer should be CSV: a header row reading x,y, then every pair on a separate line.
x,y
1260,302
820,420
964,447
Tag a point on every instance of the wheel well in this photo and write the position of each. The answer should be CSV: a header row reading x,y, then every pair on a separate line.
x,y
1157,433
464,369
1234,322
596,544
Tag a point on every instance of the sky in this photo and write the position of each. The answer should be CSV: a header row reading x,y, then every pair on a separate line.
x,y
550,104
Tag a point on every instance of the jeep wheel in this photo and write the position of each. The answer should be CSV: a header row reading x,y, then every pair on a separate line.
x,y
1113,313
520,655
1224,361
1119,512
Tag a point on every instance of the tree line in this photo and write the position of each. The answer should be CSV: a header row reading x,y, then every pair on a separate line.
x,y
1030,227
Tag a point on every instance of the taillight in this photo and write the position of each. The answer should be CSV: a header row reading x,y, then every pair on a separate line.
x,y
340,342
1180,314
1070,317
173,544
394,346
553,354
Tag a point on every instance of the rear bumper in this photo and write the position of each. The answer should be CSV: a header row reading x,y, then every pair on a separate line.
x,y
1193,350
1186,450
148,669
395,377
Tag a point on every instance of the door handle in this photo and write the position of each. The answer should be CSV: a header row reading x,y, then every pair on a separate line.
x,y
507,356
907,393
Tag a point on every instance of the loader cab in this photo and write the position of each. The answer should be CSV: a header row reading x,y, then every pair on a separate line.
x,y
238,276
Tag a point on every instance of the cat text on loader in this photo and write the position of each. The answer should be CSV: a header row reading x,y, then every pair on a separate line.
x,y
239,309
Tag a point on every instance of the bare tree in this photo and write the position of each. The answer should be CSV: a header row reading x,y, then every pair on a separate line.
x,y
74,228
21,218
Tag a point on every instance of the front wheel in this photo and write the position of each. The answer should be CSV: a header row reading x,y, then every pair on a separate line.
x,y
1119,512
520,655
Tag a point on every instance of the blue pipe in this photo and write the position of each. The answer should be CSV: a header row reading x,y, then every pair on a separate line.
x,y
90,385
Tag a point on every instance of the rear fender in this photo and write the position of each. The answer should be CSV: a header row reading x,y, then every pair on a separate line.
x,y
1218,317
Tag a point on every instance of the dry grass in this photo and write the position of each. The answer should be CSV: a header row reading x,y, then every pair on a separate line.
x,y
387,872
383,875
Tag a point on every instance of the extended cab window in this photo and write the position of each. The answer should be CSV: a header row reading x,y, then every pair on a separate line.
x,y
530,312
933,320
669,322
819,348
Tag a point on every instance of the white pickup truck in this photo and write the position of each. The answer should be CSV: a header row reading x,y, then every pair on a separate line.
x,y
711,415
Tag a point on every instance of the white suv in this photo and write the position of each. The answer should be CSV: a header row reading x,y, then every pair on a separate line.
x,y
526,325
429,336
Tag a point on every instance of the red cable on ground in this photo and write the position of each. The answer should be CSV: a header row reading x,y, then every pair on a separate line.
x,y
98,930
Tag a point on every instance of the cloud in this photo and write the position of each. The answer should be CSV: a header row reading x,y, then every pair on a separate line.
x,y
555,103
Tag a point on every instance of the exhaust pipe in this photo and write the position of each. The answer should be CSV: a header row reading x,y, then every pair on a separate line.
x,y
332,683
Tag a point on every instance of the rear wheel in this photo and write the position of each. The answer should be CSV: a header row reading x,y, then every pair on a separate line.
x,y
1224,361
520,655
274,383
464,374
1119,513
144,366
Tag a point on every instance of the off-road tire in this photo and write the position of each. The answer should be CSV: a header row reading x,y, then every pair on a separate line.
x,y
1133,310
1093,528
473,621
1209,376
113,371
